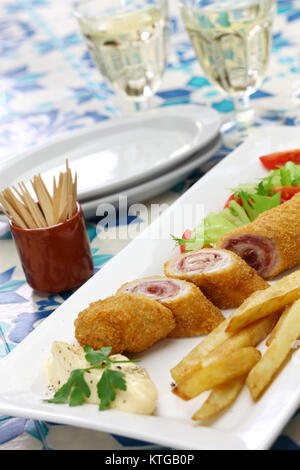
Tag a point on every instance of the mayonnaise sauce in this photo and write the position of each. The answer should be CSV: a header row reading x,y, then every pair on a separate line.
x,y
140,396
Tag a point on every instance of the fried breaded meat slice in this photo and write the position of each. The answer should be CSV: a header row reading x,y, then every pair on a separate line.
x,y
194,314
125,322
271,243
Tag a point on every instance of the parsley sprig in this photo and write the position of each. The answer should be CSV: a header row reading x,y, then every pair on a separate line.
x,y
76,389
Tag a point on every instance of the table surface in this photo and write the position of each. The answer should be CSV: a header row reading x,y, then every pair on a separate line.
x,y
49,86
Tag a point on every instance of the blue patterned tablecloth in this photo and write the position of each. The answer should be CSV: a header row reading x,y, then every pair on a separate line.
x,y
49,86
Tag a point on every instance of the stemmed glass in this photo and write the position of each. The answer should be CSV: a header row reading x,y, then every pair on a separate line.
x,y
232,41
127,40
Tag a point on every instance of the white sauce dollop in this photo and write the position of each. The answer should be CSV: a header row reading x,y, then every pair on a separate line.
x,y
140,396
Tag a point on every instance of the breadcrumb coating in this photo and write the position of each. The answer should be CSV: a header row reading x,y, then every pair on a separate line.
x,y
194,314
281,227
226,287
125,322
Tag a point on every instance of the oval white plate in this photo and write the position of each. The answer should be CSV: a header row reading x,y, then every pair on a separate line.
x,y
155,186
119,152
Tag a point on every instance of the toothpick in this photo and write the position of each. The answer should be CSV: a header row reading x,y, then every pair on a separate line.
x,y
64,211
16,218
55,202
74,194
5,212
33,207
64,192
44,199
19,207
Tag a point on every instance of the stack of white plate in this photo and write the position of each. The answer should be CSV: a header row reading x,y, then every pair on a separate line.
x,y
138,157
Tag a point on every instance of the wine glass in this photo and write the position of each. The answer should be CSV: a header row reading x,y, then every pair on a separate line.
x,y
127,40
232,41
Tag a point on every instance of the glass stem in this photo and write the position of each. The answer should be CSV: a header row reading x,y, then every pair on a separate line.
x,y
242,103
243,111
142,105
138,106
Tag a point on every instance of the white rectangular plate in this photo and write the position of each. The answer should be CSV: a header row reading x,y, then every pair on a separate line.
x,y
245,425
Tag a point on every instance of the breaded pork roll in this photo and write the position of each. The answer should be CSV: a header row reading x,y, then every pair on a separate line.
x,y
224,278
127,323
194,314
271,243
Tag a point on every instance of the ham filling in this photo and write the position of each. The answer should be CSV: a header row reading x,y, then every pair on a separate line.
x,y
156,289
259,252
203,261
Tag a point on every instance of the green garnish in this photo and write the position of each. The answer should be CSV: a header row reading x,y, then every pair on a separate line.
x,y
264,189
106,388
233,216
216,225
255,204
248,187
287,175
250,200
76,389
195,242
239,212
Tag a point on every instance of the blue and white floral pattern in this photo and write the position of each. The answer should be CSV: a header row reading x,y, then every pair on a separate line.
x,y
49,86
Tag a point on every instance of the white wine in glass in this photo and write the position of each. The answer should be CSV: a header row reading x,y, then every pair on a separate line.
x,y
232,41
127,40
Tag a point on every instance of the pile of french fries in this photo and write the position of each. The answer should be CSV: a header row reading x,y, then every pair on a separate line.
x,y
227,358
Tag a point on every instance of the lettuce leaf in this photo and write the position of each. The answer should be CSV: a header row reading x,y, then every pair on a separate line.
x,y
216,225
287,175
248,187
211,229
255,204
239,212
234,216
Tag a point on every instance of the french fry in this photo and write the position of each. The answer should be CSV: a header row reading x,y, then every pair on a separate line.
x,y
224,395
220,399
219,341
277,326
287,333
218,336
224,369
252,335
265,302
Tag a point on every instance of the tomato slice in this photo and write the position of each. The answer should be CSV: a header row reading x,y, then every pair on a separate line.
x,y
277,159
287,192
186,236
